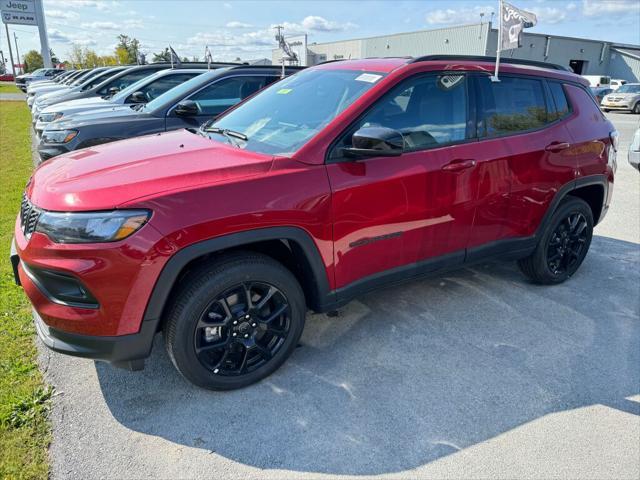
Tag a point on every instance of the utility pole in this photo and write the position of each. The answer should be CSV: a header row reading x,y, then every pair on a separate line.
x,y
13,65
15,39
44,38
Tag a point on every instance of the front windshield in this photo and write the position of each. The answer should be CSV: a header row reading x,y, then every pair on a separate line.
x,y
283,117
629,89
37,72
101,77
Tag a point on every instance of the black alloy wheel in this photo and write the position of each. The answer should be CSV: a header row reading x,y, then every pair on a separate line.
x,y
567,244
242,329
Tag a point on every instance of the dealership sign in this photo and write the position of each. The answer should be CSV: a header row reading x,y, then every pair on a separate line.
x,y
20,12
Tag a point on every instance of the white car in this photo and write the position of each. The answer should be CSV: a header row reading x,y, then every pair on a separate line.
x,y
35,92
634,151
627,97
616,83
142,91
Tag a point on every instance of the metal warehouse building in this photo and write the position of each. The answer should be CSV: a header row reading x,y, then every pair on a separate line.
x,y
586,57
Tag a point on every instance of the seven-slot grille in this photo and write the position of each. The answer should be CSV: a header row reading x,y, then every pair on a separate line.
x,y
28,216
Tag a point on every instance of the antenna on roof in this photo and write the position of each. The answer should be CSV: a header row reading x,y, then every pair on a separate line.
x,y
207,56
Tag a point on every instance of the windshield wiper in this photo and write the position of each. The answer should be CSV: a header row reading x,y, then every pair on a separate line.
x,y
231,135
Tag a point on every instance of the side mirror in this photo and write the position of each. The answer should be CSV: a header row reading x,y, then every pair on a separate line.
x,y
376,142
187,108
138,97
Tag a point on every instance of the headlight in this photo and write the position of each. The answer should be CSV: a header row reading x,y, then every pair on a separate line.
x,y
50,117
58,136
91,227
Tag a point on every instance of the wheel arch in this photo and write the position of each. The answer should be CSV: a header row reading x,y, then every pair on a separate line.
x,y
291,246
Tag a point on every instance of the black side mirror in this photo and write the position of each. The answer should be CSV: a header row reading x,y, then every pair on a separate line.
x,y
376,142
187,108
138,97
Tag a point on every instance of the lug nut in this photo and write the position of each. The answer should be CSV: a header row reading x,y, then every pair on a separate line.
x,y
247,317
246,335
216,370
235,334
254,325
235,322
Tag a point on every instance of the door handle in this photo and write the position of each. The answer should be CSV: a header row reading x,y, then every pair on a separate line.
x,y
557,146
459,164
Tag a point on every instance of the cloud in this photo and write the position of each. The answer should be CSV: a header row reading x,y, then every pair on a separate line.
x,y
592,8
61,14
56,35
101,25
134,23
551,15
100,5
227,6
238,25
451,16
320,24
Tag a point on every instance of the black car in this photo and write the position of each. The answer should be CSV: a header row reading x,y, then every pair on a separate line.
x,y
23,81
188,105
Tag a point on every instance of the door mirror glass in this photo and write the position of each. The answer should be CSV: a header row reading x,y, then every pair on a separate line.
x,y
187,108
375,142
137,97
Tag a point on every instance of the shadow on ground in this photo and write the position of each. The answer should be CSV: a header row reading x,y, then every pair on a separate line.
x,y
409,374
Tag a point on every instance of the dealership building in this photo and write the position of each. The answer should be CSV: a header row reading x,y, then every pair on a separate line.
x,y
586,57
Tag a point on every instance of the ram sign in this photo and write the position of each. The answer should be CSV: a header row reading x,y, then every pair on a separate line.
x,y
21,12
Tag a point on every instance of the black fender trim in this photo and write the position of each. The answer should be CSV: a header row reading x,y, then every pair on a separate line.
x,y
566,190
296,236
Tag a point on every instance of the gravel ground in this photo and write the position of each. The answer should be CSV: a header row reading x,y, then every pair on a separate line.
x,y
476,374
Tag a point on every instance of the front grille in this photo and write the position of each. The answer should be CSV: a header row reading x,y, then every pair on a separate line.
x,y
29,215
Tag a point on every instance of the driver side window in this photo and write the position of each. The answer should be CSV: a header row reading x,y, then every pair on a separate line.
x,y
429,111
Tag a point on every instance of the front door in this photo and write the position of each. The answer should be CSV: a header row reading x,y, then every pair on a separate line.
x,y
395,215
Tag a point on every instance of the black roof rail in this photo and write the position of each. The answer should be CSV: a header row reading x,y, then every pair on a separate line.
x,y
331,61
299,67
480,58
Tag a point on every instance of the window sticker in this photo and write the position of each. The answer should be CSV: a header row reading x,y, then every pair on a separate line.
x,y
284,91
368,77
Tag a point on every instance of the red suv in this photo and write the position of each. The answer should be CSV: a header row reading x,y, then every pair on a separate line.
x,y
334,181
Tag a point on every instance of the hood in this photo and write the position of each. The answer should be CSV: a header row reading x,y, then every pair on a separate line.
x,y
53,93
114,113
45,88
78,105
115,174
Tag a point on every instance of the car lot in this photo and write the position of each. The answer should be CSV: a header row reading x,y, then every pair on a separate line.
x,y
475,373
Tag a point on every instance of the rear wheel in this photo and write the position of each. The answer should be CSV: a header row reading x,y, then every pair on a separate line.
x,y
636,109
235,322
563,245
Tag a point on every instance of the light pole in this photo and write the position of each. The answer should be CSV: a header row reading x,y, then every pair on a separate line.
x,y
15,39
44,38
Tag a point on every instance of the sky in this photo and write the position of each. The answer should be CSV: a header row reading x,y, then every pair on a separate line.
x,y
244,28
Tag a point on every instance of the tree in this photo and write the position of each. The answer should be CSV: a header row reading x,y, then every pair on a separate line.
x,y
163,56
54,59
32,61
127,49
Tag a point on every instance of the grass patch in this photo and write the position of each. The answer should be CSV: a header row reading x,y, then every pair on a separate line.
x,y
8,87
24,400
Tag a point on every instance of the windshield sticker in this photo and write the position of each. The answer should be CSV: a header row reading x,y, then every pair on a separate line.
x,y
284,91
368,77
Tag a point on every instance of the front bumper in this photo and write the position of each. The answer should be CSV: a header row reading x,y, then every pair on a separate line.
x,y
125,351
634,159
616,106
47,151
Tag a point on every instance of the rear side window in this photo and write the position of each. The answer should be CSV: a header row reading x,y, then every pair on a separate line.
x,y
163,84
125,80
510,106
560,101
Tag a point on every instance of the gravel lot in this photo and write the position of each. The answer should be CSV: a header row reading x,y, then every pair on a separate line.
x,y
474,374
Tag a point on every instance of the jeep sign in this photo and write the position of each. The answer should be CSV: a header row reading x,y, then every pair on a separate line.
x,y
21,12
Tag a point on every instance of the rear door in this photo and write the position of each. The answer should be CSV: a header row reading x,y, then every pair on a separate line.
x,y
522,157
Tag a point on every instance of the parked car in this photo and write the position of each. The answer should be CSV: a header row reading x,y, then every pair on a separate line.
x,y
23,81
142,91
342,178
616,83
85,89
600,92
188,105
35,91
598,80
627,97
634,151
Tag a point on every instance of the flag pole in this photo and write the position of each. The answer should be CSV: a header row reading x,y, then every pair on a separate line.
x,y
495,78
171,56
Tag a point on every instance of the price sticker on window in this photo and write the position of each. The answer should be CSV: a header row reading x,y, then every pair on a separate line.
x,y
368,77
284,91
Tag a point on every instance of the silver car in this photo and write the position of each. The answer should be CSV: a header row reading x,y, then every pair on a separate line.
x,y
634,150
627,97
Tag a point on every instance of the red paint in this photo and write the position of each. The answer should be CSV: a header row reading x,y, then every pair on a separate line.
x,y
428,203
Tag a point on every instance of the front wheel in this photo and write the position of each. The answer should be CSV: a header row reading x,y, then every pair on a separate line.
x,y
234,322
563,244
636,109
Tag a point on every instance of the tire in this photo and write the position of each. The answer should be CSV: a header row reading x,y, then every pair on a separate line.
x,y
606,110
205,344
636,109
543,266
